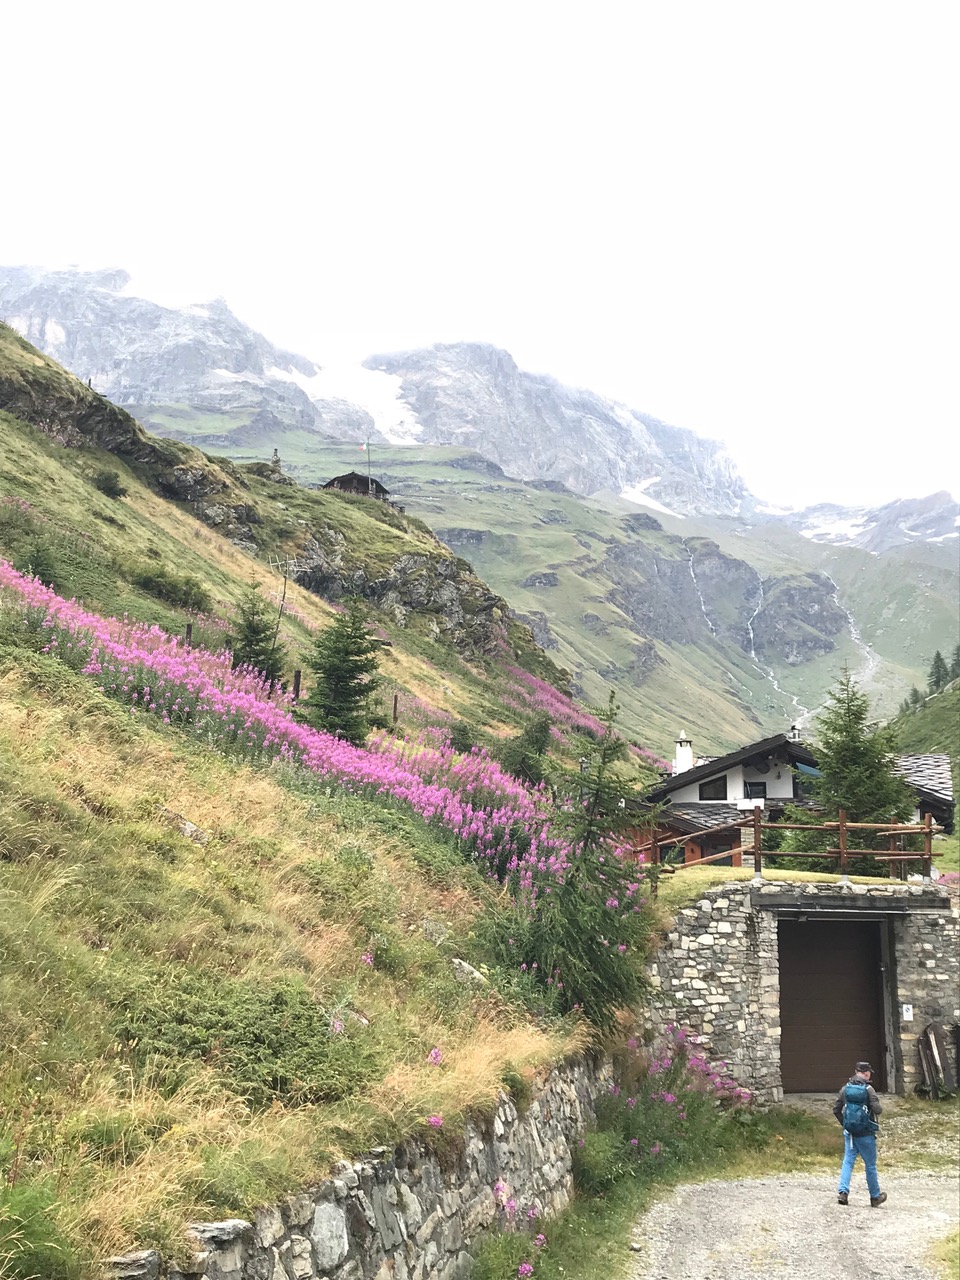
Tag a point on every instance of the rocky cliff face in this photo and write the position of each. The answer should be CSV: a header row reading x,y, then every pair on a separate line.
x,y
474,395
178,369
688,591
140,354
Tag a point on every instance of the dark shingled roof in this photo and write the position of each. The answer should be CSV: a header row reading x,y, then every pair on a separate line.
x,y
795,752
930,773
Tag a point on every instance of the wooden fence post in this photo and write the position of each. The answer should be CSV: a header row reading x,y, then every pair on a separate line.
x,y
396,707
296,685
189,634
895,870
653,875
927,848
757,842
844,878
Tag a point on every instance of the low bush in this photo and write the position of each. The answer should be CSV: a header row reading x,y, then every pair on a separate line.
x,y
31,1244
273,1040
109,483
183,590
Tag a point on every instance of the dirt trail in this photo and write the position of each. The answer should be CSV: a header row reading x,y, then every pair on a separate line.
x,y
790,1227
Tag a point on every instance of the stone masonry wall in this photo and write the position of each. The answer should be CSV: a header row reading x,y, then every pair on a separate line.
x,y
407,1214
718,972
927,974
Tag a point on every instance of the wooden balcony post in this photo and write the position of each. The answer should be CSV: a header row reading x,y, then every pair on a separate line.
x,y
894,871
844,878
927,848
757,844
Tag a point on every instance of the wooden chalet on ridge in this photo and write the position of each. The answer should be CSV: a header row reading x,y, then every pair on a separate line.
x,y
708,793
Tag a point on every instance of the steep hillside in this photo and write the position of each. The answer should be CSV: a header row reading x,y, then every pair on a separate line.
x,y
234,947
934,726
223,525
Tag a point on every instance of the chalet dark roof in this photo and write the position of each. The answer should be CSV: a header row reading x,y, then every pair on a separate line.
x,y
927,773
355,481
795,753
700,815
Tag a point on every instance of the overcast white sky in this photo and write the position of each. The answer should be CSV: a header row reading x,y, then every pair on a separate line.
x,y
740,217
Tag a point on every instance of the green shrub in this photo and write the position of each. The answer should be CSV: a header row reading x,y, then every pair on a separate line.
x,y
109,483
463,736
599,1161
500,1256
272,1040
40,560
31,1242
520,1089
182,590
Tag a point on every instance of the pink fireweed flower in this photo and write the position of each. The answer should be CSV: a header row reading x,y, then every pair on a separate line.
x,y
656,1149
435,1056
435,1122
540,1240
366,957
525,1269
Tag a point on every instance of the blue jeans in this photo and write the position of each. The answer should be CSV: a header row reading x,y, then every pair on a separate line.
x,y
866,1149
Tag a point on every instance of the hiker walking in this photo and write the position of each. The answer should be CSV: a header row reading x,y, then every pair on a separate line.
x,y
856,1108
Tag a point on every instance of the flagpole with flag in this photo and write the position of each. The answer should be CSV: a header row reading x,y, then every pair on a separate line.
x,y
366,448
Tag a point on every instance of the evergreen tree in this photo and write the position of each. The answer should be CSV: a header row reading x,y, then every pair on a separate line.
x,y
855,764
916,697
939,673
344,664
582,940
955,664
904,707
524,755
254,642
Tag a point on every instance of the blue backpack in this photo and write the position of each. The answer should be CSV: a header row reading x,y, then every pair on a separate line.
x,y
857,1120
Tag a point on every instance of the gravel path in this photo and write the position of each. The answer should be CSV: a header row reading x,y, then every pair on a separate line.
x,y
790,1227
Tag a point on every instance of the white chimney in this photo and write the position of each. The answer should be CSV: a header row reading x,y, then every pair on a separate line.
x,y
683,756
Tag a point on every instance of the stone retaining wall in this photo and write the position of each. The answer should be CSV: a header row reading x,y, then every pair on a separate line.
x,y
410,1214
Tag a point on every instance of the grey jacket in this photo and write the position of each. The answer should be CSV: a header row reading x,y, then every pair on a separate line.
x,y
873,1102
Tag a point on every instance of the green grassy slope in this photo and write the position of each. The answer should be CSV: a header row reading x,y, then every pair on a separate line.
x,y
102,545
712,689
168,1001
934,726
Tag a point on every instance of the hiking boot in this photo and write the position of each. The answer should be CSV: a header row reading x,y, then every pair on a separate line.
x,y
843,1197
877,1201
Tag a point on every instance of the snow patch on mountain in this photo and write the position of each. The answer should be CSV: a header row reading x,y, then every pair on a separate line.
x,y
377,392
637,493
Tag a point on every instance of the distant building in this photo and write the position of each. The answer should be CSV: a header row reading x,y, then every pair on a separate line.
x,y
363,486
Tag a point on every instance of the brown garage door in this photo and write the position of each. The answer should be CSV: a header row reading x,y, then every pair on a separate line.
x,y
831,1002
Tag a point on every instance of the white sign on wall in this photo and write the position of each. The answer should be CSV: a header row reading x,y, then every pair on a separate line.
x,y
908,1013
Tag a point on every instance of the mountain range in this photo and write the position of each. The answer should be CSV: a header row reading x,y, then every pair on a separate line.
x,y
633,548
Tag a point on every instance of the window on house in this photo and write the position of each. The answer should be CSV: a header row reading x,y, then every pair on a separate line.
x,y
715,789
755,790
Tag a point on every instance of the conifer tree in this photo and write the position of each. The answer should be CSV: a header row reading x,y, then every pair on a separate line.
x,y
955,664
524,755
939,673
916,697
254,642
344,664
855,765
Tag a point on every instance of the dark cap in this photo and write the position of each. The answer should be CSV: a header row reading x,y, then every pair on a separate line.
x,y
863,1067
